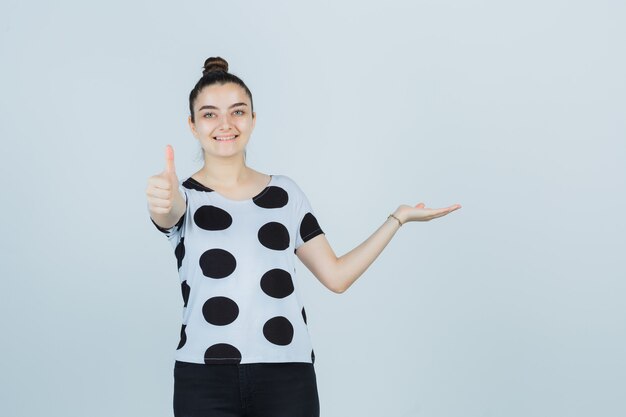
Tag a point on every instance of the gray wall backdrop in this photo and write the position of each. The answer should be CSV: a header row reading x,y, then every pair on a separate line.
x,y
511,306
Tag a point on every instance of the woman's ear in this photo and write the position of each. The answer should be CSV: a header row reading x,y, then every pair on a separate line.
x,y
192,127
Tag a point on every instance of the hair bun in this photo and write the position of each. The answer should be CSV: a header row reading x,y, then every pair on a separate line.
x,y
214,64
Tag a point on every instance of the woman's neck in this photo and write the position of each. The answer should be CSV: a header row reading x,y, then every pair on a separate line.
x,y
224,173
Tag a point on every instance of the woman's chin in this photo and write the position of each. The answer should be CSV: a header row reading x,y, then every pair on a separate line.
x,y
224,154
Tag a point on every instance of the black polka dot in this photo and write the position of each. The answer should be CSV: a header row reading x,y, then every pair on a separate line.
x,y
277,283
180,251
222,353
220,311
309,228
183,337
217,263
274,235
278,330
304,315
273,197
212,218
312,356
184,288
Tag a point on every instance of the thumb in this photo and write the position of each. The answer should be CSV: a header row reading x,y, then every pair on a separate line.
x,y
169,160
170,169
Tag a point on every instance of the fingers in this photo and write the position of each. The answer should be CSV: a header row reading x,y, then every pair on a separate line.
x,y
158,181
425,214
442,210
159,205
447,210
169,160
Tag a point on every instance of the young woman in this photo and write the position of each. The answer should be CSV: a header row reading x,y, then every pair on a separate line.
x,y
244,345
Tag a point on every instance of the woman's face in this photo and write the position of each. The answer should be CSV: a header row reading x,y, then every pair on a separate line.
x,y
222,111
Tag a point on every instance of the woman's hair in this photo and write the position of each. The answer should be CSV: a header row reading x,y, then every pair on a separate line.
x,y
215,71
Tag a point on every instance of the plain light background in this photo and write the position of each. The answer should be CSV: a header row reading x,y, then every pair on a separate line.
x,y
511,306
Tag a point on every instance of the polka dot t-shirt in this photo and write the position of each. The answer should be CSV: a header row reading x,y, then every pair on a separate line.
x,y
236,265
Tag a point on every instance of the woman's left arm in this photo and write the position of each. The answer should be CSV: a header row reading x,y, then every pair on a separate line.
x,y
338,274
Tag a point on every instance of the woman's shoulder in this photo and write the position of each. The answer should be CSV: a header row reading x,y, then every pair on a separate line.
x,y
291,186
282,177
285,180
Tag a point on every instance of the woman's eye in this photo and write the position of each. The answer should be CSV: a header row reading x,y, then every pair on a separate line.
x,y
236,111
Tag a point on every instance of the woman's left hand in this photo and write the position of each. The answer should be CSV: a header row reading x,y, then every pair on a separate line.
x,y
421,213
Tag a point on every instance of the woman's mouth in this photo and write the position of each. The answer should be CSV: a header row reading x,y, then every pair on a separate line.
x,y
225,138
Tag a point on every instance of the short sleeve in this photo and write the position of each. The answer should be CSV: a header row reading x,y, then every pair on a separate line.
x,y
176,232
308,226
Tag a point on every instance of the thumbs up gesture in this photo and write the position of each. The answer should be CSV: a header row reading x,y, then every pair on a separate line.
x,y
170,169
165,202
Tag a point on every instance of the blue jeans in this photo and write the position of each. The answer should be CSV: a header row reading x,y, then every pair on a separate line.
x,y
286,389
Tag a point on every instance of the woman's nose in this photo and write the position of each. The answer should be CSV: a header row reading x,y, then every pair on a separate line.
x,y
225,121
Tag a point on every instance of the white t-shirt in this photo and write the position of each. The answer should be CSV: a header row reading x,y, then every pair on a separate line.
x,y
236,264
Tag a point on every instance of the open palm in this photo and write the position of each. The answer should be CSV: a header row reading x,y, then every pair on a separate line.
x,y
421,213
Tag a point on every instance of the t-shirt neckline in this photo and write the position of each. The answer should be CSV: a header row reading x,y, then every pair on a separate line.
x,y
230,200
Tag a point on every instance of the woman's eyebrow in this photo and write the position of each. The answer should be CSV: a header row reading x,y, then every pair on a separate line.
x,y
213,107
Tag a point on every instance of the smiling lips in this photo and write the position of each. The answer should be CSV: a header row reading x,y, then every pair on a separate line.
x,y
225,138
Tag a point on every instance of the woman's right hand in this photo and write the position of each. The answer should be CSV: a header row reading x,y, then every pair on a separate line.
x,y
163,193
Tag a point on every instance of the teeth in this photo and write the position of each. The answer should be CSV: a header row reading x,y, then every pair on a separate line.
x,y
225,137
